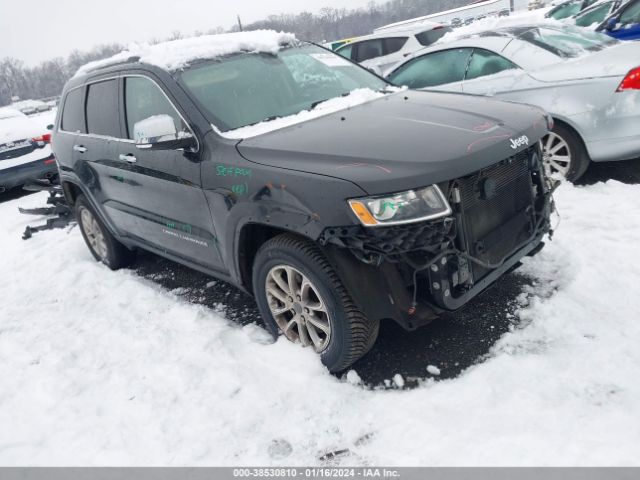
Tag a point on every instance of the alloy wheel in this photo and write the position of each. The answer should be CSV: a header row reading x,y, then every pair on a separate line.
x,y
94,233
556,155
298,308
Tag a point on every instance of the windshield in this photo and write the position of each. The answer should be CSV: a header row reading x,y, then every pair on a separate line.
x,y
567,43
250,88
566,10
594,16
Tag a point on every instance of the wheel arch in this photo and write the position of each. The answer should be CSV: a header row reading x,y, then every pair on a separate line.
x,y
250,238
567,123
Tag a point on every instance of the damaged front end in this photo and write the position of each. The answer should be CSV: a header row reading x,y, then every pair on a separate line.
x,y
418,270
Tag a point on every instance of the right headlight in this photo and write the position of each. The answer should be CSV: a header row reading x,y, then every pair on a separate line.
x,y
399,208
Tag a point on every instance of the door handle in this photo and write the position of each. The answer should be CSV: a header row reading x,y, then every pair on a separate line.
x,y
80,148
127,158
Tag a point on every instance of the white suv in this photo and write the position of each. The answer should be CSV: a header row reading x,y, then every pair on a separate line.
x,y
380,51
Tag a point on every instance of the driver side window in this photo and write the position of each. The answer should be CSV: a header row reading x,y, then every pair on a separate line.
x,y
484,63
434,69
143,100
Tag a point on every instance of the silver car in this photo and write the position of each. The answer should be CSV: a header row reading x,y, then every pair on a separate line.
x,y
588,82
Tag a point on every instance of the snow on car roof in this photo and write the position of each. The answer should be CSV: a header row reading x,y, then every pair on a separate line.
x,y
176,54
495,23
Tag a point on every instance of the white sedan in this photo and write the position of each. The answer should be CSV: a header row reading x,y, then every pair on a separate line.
x,y
25,149
588,82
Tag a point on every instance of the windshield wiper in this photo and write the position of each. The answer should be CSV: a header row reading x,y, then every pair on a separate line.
x,y
268,119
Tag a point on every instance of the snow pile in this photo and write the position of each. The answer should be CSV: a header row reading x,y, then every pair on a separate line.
x,y
176,54
354,98
107,368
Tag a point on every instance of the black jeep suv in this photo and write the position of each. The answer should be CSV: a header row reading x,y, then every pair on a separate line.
x,y
334,198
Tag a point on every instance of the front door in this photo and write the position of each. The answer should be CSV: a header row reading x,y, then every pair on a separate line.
x,y
160,200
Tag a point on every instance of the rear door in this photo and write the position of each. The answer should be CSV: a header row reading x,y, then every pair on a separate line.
x,y
70,124
94,150
160,201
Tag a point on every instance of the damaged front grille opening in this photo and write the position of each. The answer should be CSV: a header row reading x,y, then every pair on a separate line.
x,y
497,212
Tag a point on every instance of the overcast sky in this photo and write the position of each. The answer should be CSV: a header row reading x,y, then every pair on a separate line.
x,y
36,30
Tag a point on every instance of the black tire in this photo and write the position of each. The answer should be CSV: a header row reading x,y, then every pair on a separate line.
x,y
352,334
579,157
114,254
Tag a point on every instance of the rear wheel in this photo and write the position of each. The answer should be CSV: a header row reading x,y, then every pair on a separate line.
x,y
564,153
301,297
102,245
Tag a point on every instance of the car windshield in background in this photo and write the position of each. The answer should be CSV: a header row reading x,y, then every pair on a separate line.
x,y
566,10
250,88
594,16
432,36
568,42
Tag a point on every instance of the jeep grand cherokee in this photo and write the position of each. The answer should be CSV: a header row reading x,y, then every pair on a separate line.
x,y
335,199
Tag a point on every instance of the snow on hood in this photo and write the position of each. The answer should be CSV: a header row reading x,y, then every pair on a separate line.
x,y
355,97
18,128
178,53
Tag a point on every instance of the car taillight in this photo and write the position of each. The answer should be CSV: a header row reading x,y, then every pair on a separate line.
x,y
631,81
46,138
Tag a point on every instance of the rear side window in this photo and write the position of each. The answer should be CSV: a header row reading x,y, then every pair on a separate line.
x,y
144,99
369,49
434,69
392,45
102,109
345,51
430,37
484,63
73,112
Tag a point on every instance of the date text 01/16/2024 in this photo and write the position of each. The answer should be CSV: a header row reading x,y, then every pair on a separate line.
x,y
313,472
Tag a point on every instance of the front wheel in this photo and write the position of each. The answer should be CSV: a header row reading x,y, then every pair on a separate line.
x,y
301,297
564,153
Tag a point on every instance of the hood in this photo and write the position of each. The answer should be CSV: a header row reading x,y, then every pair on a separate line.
x,y
402,141
614,61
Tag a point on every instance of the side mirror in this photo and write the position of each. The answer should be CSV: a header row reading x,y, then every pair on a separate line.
x,y
159,132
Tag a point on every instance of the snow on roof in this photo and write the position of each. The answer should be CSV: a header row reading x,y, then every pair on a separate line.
x,y
488,24
176,54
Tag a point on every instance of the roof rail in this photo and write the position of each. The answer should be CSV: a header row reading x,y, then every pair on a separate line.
x,y
106,64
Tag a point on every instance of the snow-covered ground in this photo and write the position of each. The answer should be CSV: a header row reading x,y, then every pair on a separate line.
x,y
107,368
